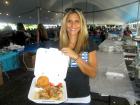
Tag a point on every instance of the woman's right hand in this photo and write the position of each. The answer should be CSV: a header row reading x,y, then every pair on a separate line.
x,y
69,52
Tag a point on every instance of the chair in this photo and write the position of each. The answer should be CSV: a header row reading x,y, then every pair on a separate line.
x,y
28,59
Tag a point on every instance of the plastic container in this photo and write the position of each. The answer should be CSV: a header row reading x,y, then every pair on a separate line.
x,y
53,64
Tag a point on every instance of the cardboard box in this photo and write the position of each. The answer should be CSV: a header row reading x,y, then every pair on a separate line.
x,y
53,64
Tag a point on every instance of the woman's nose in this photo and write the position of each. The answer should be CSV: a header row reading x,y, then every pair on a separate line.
x,y
73,24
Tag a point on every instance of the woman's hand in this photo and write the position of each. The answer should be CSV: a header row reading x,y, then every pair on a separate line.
x,y
69,52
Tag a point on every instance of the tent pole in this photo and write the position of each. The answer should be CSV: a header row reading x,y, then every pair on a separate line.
x,y
38,15
38,11
62,2
138,18
72,4
93,16
86,10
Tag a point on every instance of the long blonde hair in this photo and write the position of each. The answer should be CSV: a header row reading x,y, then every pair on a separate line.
x,y
83,33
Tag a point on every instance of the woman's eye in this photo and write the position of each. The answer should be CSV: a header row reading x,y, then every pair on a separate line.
x,y
76,21
69,21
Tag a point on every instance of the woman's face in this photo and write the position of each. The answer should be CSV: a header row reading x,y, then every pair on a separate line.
x,y
73,25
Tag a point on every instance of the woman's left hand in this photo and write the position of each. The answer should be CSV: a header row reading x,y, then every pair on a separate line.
x,y
69,52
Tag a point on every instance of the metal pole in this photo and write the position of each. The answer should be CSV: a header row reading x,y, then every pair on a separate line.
x,y
86,10
93,16
72,4
38,15
38,11
62,9
138,18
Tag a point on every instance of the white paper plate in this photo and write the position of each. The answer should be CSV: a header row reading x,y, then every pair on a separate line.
x,y
34,89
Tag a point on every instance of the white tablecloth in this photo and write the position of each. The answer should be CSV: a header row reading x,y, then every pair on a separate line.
x,y
114,62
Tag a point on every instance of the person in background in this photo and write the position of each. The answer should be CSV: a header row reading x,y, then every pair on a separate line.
x,y
127,33
21,37
75,44
41,34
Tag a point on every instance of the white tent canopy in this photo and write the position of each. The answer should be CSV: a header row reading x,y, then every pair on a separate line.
x,y
51,11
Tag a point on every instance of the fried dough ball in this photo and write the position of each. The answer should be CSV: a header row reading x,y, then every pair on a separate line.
x,y
42,82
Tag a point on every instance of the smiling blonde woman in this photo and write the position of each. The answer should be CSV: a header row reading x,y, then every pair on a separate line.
x,y
74,43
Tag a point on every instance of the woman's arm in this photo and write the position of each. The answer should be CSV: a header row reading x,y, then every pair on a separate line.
x,y
88,68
